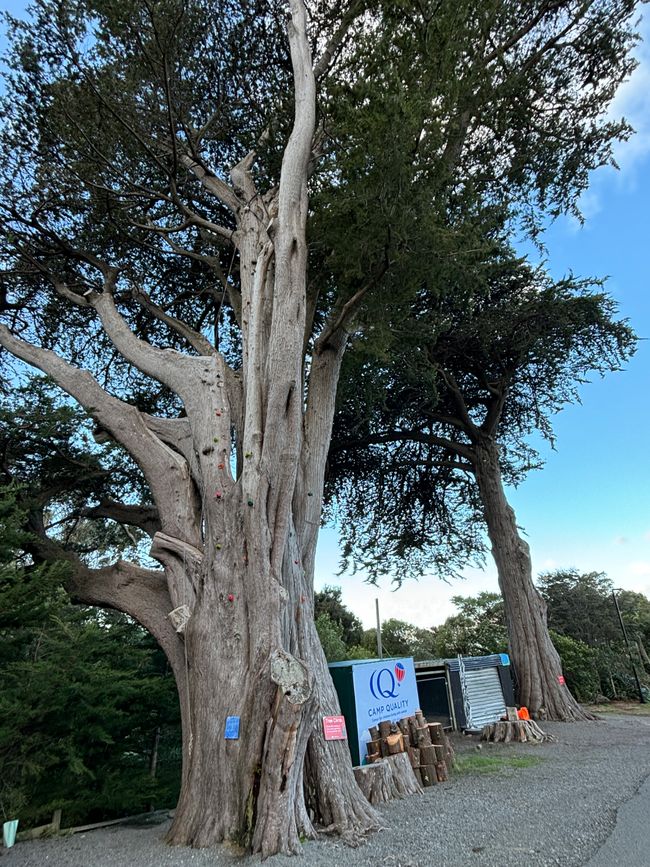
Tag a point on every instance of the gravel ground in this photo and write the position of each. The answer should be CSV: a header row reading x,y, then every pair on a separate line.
x,y
559,811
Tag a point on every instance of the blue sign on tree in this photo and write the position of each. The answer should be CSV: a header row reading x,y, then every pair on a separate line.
x,y
232,728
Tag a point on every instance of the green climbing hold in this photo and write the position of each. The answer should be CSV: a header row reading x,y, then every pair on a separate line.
x,y
250,502
248,455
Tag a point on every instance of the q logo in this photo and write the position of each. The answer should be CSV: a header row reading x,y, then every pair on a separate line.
x,y
383,684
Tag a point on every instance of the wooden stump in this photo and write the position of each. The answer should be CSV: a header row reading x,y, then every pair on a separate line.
x,y
384,728
375,781
523,731
404,780
429,775
395,743
387,779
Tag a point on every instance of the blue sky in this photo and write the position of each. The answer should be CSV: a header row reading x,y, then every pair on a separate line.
x,y
589,508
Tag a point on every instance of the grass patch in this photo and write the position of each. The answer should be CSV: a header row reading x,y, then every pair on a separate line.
x,y
629,708
493,764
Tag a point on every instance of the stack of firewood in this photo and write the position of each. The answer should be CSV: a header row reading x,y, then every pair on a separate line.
x,y
428,749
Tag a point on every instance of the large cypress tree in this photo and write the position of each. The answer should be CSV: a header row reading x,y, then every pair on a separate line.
x,y
423,450
155,198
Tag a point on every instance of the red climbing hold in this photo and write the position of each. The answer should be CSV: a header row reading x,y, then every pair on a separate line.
x,y
231,598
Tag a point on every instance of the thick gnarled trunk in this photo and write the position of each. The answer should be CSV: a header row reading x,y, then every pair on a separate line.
x,y
538,669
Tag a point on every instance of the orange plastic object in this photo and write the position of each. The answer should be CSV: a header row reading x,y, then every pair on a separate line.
x,y
522,713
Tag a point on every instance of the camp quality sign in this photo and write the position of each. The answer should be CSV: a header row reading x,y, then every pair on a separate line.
x,y
383,690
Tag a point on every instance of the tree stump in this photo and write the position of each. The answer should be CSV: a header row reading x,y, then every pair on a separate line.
x,y
388,779
523,731
404,780
375,781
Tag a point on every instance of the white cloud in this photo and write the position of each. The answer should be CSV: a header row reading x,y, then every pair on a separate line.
x,y
639,569
621,540
632,101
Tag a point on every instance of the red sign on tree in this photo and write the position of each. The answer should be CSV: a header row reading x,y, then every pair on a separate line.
x,y
334,728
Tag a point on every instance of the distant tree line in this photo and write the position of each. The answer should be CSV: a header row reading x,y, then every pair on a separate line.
x,y
582,619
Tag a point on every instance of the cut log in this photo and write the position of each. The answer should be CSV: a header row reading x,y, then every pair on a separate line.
x,y
441,772
450,755
436,733
428,755
384,728
440,753
374,733
523,731
423,739
373,746
429,775
395,743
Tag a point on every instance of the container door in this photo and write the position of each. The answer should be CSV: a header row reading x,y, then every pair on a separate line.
x,y
484,696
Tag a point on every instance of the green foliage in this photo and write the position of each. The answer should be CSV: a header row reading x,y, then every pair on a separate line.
x,y
62,475
399,638
582,624
477,630
581,608
83,694
331,638
328,601
579,665
580,605
359,651
481,364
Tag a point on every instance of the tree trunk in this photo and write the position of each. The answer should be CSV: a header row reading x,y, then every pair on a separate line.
x,y
540,682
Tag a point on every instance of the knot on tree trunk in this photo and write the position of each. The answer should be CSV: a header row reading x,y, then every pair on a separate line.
x,y
291,676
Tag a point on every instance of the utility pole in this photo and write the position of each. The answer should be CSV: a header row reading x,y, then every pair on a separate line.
x,y
629,651
379,648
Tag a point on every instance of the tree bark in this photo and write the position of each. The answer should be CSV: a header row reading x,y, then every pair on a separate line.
x,y
540,682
